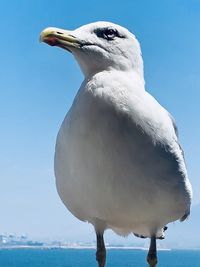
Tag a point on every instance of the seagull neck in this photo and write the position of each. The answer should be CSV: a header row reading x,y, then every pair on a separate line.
x,y
116,77
127,73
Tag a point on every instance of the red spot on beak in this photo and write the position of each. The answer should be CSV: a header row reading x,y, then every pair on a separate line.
x,y
51,40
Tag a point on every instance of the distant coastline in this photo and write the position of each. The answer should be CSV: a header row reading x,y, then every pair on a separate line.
x,y
69,247
12,241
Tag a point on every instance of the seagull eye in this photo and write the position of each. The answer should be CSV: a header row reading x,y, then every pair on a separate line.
x,y
107,33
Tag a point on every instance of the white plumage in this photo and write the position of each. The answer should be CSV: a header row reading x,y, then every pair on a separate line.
x,y
118,162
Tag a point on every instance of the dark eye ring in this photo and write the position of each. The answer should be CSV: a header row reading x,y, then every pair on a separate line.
x,y
107,33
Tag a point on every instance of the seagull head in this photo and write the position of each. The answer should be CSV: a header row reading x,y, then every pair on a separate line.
x,y
98,46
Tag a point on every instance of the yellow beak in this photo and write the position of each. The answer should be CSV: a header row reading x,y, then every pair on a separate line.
x,y
59,37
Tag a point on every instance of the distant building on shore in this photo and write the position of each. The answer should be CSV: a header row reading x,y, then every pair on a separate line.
x,y
14,240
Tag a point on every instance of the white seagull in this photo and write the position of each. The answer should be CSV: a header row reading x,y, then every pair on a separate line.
x,y
118,161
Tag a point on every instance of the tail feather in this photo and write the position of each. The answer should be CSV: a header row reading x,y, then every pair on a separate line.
x,y
185,216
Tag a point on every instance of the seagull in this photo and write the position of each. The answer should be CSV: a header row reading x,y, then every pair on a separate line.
x,y
118,161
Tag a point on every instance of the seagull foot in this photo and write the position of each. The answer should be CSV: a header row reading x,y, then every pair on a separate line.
x,y
101,250
101,258
152,260
152,254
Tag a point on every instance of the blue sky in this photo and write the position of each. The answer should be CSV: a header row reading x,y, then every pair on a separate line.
x,y
38,84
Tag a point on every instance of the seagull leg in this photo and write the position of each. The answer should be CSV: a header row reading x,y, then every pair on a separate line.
x,y
152,254
101,250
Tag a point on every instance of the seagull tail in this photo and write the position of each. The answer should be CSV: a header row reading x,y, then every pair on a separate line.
x,y
185,216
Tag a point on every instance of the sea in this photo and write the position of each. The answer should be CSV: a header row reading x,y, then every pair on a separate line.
x,y
86,258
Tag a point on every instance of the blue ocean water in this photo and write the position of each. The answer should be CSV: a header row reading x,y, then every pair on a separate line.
x,y
86,258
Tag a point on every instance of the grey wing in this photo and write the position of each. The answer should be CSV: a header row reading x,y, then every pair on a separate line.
x,y
174,124
177,134
186,215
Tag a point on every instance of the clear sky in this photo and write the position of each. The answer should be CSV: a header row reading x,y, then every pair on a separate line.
x,y
38,84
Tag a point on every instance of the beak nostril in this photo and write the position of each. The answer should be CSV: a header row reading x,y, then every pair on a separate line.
x,y
59,32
